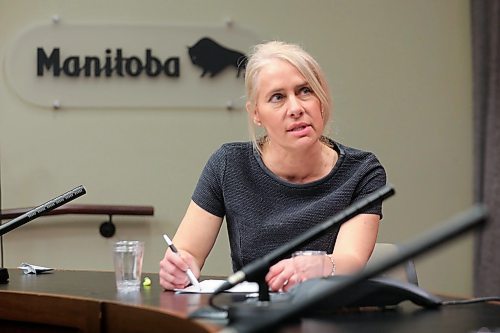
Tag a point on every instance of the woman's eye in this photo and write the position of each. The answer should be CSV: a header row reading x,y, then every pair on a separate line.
x,y
305,90
276,98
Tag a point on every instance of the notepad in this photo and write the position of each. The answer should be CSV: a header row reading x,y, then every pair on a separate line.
x,y
209,286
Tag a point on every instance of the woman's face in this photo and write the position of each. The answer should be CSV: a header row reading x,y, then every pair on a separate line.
x,y
287,107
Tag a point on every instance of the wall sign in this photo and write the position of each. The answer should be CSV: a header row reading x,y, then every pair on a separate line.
x,y
119,66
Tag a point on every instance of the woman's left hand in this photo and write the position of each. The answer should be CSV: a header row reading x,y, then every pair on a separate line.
x,y
281,276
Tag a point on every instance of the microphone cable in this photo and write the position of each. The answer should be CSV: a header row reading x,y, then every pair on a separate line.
x,y
472,300
211,302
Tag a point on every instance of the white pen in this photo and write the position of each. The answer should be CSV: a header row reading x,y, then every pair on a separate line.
x,y
189,272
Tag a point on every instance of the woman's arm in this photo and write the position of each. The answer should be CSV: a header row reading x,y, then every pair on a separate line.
x,y
194,240
353,247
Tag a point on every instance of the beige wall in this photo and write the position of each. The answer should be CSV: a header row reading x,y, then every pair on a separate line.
x,y
400,77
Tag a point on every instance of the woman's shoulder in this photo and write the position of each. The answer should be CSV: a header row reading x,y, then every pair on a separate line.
x,y
358,164
355,154
231,151
231,147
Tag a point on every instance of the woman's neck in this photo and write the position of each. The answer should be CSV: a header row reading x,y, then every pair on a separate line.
x,y
302,166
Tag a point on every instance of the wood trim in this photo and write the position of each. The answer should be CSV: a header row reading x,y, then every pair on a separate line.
x,y
85,209
33,312
57,313
132,319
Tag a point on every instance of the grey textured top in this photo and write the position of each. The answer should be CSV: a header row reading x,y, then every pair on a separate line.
x,y
264,211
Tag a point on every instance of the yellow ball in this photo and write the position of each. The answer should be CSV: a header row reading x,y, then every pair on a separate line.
x,y
146,282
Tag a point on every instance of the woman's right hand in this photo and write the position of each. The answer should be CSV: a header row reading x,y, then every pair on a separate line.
x,y
173,269
194,239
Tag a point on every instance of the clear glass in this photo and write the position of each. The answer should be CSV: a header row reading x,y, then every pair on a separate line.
x,y
128,257
309,264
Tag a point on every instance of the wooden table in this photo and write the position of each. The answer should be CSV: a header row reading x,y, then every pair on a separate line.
x,y
87,301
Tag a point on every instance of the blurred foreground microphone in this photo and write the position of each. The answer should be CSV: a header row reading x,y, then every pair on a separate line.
x,y
36,212
258,268
472,218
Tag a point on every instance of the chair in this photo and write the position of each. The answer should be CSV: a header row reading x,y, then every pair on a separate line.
x,y
405,272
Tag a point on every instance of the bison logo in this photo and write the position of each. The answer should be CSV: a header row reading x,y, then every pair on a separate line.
x,y
213,57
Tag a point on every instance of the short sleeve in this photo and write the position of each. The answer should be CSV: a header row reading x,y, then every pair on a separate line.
x,y
208,193
373,179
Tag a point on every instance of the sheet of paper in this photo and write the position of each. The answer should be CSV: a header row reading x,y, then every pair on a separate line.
x,y
209,286
34,269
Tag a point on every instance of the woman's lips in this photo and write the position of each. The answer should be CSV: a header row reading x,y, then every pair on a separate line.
x,y
300,130
297,127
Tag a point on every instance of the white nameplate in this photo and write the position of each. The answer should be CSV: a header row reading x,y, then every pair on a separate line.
x,y
129,66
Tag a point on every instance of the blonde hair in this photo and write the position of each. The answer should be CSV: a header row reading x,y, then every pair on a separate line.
x,y
307,66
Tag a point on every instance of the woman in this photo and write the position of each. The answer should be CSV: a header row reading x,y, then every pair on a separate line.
x,y
274,188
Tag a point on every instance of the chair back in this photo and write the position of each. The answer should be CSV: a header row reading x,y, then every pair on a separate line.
x,y
405,272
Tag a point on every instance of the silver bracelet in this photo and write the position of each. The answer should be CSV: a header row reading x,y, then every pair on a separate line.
x,y
332,273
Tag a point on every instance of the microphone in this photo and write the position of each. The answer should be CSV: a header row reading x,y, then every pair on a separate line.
x,y
260,266
43,208
36,212
472,218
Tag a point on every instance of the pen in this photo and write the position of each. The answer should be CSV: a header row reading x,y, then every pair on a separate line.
x,y
189,272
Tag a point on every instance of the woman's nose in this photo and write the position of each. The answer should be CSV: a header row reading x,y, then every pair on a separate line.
x,y
295,108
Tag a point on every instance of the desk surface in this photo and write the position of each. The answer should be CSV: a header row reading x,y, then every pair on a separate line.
x,y
99,286
86,295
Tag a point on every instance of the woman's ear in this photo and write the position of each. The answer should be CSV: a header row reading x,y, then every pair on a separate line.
x,y
252,112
